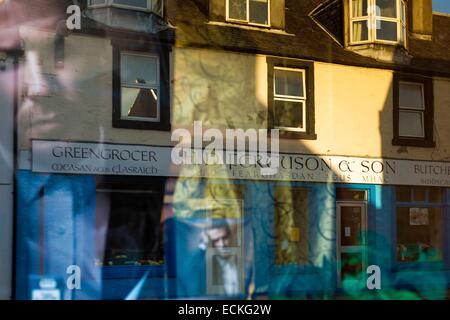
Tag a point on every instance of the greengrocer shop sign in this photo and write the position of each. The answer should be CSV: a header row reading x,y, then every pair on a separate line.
x,y
93,158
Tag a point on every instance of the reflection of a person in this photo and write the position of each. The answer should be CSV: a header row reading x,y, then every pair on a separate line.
x,y
224,264
219,237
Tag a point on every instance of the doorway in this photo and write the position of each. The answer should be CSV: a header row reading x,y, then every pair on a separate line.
x,y
351,244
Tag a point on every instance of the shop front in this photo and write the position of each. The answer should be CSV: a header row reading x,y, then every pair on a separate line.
x,y
137,226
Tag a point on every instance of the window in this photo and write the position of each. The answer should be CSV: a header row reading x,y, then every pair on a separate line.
x,y
130,228
249,11
413,111
141,93
291,225
291,98
419,224
155,6
381,21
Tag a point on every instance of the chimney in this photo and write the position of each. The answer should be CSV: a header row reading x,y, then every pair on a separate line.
x,y
422,19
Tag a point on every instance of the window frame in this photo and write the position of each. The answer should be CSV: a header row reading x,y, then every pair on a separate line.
x,y
247,21
307,69
157,86
372,19
412,110
162,52
302,100
112,3
427,141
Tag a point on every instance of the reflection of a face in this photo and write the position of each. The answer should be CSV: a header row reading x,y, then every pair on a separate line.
x,y
219,237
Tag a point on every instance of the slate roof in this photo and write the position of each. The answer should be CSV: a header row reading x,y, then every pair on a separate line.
x,y
309,40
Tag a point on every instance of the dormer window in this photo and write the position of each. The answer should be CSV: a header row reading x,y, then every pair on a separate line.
x,y
155,6
252,12
377,21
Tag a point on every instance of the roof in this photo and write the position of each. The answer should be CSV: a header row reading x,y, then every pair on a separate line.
x,y
305,39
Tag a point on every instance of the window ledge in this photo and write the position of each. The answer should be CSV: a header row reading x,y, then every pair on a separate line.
x,y
413,143
383,52
249,27
297,135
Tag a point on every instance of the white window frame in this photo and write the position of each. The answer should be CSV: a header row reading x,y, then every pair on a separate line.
x,y
412,110
302,100
111,3
247,21
371,18
151,86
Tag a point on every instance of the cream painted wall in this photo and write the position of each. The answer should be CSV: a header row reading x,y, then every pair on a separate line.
x,y
353,105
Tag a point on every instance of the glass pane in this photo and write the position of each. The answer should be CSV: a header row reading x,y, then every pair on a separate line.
x,y
134,234
289,83
158,7
349,194
351,226
352,265
359,8
410,95
386,30
134,3
259,11
222,236
435,194
139,102
360,31
419,194
403,194
410,124
221,264
291,216
139,69
419,234
289,114
387,8
238,9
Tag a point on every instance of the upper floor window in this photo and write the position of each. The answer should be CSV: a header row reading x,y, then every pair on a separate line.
x,y
254,12
382,21
141,86
413,111
155,6
291,97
